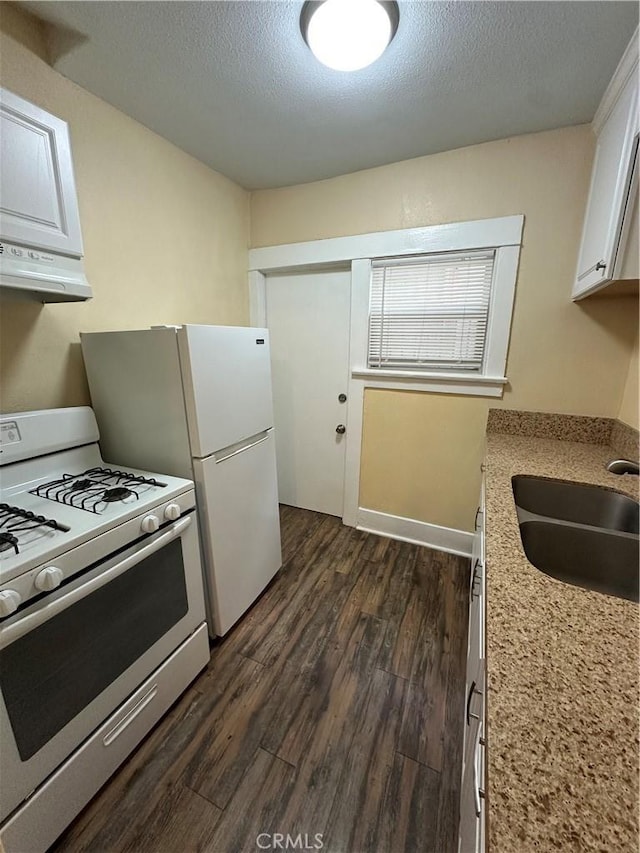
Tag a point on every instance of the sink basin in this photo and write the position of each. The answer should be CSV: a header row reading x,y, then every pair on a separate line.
x,y
583,535
577,503
595,559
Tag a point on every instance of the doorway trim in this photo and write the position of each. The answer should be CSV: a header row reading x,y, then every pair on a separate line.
x,y
358,251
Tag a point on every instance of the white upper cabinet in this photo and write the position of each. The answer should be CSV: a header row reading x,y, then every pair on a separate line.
x,y
38,206
613,185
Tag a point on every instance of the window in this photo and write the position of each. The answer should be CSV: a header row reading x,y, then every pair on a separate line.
x,y
431,307
430,313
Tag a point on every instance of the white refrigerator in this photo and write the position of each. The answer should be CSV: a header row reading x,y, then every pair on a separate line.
x,y
195,401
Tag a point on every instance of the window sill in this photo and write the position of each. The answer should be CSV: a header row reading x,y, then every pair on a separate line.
x,y
472,385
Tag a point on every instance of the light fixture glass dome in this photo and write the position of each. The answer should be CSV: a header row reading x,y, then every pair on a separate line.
x,y
347,35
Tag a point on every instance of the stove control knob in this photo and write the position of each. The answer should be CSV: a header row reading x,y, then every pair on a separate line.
x,y
150,523
48,578
172,512
9,601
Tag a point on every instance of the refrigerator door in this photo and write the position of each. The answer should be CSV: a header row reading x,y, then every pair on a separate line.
x,y
227,384
239,520
136,392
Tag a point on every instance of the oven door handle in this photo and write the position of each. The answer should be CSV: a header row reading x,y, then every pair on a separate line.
x,y
22,626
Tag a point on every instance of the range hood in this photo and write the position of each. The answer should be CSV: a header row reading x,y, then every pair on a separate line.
x,y
42,275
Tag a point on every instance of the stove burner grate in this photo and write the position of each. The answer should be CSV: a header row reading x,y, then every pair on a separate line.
x,y
95,488
80,485
117,494
8,541
14,520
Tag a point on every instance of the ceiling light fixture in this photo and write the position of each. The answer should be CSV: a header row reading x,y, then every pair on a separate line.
x,y
347,35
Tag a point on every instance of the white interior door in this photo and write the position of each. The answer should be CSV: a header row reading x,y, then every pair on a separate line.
x,y
308,321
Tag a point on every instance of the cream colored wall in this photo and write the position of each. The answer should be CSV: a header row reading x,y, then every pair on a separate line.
x,y
165,237
563,357
401,471
629,413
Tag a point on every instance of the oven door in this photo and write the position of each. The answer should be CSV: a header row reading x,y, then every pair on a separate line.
x,y
70,659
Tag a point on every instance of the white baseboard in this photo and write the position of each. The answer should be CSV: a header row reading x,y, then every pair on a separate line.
x,y
418,532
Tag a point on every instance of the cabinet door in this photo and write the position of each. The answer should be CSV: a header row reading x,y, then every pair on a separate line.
x,y
39,207
610,179
473,712
627,262
475,644
469,821
482,523
471,838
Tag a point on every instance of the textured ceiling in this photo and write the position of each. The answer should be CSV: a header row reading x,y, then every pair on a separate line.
x,y
234,84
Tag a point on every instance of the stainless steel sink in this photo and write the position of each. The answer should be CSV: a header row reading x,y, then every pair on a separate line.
x,y
584,535
594,559
575,502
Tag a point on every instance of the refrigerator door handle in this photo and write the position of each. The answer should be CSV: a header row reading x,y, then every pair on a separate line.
x,y
242,449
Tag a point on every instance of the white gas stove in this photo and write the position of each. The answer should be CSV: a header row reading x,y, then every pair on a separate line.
x,y
100,592
70,507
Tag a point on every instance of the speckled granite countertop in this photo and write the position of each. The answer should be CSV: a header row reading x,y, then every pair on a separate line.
x,y
563,677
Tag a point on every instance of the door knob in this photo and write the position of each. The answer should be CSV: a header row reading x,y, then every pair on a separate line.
x,y
341,429
342,398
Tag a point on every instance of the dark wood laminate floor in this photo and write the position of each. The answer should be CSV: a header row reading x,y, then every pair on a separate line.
x,y
335,706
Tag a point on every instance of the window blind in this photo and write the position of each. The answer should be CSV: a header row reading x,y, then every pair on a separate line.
x,y
430,313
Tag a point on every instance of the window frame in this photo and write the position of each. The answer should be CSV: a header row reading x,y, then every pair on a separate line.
x,y
489,382
502,234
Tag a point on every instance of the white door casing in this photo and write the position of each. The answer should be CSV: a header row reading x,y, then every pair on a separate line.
x,y
308,317
504,234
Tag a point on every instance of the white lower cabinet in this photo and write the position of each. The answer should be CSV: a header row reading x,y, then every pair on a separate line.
x,y
472,802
